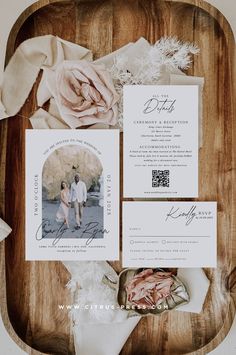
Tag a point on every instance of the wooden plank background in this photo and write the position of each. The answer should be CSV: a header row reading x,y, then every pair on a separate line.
x,y
34,289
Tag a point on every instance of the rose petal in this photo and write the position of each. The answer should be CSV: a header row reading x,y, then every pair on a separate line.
x,y
65,88
108,83
79,76
85,92
85,105
94,95
149,287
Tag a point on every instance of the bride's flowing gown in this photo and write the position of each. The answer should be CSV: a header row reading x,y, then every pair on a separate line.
x,y
63,210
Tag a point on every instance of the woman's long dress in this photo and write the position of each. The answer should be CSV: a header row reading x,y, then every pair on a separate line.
x,y
63,210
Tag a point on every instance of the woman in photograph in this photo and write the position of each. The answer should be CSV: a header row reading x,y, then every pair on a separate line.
x,y
63,210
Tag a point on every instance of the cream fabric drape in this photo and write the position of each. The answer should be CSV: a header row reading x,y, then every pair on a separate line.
x,y
31,56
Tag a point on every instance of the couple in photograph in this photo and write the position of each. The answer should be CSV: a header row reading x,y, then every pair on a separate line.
x,y
75,196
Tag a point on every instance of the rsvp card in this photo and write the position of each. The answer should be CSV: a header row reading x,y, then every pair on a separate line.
x,y
160,141
169,234
72,195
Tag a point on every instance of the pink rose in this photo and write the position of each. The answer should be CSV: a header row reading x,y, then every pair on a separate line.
x,y
149,288
84,93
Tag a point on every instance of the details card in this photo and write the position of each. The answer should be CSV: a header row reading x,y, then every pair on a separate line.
x,y
169,234
160,141
72,195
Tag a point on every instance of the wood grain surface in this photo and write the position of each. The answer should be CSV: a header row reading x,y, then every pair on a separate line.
x,y
33,290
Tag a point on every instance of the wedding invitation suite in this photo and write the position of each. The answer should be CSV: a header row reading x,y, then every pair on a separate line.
x,y
72,195
169,234
160,141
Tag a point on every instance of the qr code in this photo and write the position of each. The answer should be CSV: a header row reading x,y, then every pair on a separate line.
x,y
160,178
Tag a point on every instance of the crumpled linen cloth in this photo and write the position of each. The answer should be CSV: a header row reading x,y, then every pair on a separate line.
x,y
93,336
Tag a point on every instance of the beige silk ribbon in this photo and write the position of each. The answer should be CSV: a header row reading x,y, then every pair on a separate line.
x,y
29,58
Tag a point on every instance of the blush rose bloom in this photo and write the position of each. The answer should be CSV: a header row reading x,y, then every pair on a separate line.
x,y
149,288
84,93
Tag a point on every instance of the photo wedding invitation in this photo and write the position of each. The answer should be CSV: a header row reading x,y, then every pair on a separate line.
x,y
170,234
160,141
72,194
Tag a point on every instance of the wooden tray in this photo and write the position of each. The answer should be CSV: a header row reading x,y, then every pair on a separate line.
x,y
32,290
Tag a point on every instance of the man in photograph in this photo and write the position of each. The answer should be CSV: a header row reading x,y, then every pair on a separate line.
x,y
78,196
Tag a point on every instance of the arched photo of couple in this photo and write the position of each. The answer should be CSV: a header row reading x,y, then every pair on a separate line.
x,y
75,197
72,192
